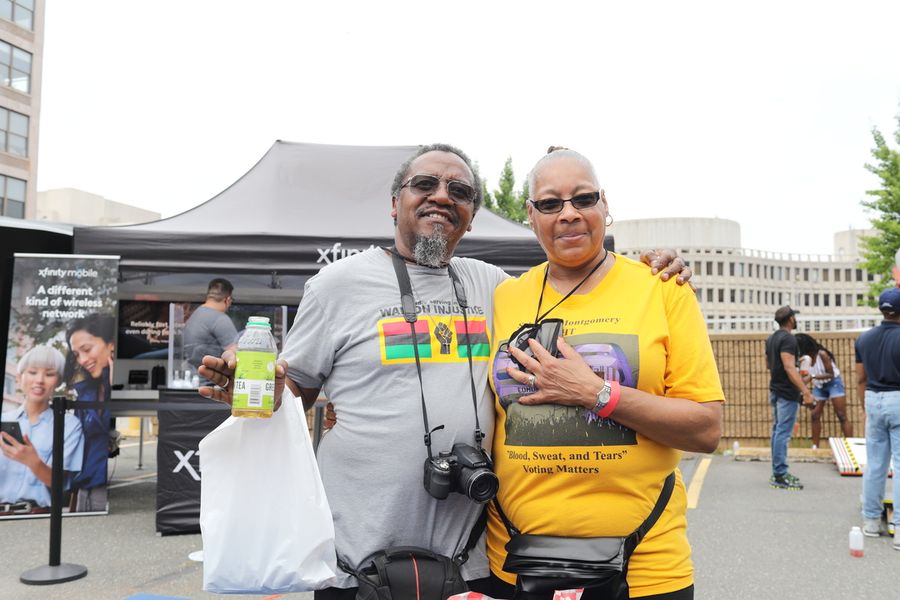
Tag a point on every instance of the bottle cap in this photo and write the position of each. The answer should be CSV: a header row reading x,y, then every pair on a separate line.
x,y
258,322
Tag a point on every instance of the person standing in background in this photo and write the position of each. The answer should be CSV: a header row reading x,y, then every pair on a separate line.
x,y
896,270
786,391
827,385
878,381
209,330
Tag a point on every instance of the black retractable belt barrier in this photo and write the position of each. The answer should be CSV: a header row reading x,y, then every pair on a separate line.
x,y
56,571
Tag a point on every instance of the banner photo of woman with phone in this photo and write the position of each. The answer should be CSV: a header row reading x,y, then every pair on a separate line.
x,y
61,341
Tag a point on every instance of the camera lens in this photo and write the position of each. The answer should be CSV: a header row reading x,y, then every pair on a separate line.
x,y
481,485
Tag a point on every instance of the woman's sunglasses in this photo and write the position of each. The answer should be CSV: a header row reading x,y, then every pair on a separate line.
x,y
555,205
458,191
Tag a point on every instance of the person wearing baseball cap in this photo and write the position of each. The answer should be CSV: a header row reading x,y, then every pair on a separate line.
x,y
784,313
889,303
786,391
878,381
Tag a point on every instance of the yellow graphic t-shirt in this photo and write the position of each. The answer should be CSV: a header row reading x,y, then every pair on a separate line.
x,y
563,471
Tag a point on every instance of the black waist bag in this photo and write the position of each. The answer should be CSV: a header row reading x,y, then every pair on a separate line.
x,y
546,563
408,573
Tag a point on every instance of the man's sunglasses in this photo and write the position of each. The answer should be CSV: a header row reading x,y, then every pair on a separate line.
x,y
555,205
458,191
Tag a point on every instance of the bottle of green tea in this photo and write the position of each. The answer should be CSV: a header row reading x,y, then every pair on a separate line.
x,y
254,376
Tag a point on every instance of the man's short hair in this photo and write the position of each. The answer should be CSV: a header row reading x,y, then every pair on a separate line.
x,y
403,172
219,289
784,313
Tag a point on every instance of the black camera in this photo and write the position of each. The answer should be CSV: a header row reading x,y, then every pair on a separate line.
x,y
466,470
546,333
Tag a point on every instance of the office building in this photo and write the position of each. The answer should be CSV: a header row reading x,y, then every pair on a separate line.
x,y
21,50
77,207
739,289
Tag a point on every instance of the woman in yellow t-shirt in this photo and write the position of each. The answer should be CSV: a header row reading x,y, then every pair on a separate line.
x,y
584,441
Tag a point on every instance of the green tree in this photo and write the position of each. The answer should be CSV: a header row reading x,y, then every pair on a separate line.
x,y
488,201
506,201
879,249
524,196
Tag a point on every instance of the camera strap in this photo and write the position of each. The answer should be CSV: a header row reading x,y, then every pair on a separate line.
x,y
408,308
538,319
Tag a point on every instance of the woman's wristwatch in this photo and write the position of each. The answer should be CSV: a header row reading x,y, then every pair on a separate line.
x,y
607,398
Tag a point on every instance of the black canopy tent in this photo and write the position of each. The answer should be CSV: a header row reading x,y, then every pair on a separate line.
x,y
302,206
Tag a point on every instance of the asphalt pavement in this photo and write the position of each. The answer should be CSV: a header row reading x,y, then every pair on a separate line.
x,y
749,541
124,555
752,542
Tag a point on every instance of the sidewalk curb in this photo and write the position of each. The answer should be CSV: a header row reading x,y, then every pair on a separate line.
x,y
821,455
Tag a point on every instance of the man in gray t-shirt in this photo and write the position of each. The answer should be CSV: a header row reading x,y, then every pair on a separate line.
x,y
350,339
209,330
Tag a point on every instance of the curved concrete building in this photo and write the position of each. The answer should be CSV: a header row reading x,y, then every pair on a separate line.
x,y
739,289
675,233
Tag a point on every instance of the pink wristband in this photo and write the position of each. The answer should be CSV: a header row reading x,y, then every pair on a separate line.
x,y
614,393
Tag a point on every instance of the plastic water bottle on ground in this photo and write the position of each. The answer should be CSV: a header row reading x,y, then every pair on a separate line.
x,y
856,541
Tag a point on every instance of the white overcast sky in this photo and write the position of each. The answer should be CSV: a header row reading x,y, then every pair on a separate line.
x,y
760,112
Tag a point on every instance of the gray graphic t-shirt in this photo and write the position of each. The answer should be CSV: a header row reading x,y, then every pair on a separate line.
x,y
350,338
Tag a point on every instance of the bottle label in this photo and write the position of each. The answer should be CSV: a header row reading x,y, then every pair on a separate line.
x,y
254,380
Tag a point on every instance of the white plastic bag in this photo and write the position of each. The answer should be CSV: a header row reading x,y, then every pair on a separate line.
x,y
264,517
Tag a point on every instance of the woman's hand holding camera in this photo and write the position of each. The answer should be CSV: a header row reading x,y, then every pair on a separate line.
x,y
568,380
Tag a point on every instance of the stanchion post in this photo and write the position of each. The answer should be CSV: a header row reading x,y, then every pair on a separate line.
x,y
56,571
140,466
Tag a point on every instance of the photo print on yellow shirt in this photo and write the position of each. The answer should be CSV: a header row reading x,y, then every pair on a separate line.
x,y
614,357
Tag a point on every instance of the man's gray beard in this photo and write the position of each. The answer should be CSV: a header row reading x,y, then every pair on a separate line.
x,y
431,250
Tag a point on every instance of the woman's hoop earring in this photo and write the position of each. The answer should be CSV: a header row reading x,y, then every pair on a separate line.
x,y
609,220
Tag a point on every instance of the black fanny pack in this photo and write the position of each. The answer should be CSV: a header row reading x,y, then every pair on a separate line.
x,y
546,563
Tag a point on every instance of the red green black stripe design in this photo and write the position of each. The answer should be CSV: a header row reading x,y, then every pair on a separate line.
x,y
478,338
398,342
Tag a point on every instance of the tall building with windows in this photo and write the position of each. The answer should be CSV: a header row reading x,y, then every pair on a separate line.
x,y
21,51
739,289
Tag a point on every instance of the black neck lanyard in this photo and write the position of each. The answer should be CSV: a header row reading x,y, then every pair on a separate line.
x,y
408,307
538,319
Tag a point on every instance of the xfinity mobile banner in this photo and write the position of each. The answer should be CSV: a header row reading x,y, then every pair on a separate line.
x,y
62,335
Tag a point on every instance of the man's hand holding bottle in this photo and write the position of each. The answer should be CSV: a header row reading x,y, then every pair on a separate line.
x,y
220,371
